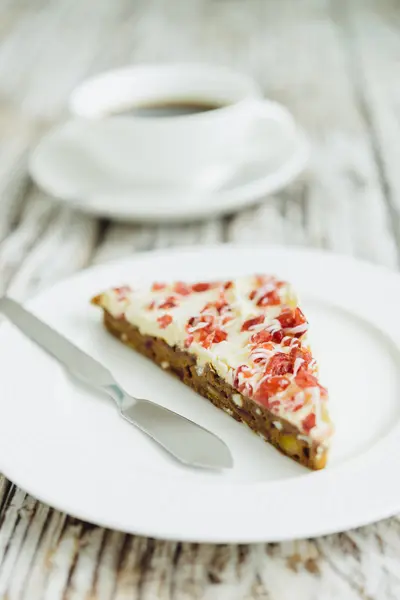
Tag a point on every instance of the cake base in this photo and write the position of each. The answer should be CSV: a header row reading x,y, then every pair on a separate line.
x,y
207,382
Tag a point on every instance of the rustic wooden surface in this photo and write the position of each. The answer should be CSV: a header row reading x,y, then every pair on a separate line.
x,y
336,66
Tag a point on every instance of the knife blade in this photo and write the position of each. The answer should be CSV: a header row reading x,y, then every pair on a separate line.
x,y
187,441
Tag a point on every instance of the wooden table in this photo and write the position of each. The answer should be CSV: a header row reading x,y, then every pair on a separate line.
x,y
336,66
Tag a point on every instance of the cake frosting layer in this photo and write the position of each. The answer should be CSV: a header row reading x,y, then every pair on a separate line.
x,y
251,330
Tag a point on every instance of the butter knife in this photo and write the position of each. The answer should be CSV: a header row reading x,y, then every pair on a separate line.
x,y
185,440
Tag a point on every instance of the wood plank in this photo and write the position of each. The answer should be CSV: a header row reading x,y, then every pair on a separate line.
x,y
35,217
29,536
65,246
123,240
344,203
373,43
107,568
42,567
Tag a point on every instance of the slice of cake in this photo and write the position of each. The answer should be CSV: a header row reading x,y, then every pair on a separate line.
x,y
241,344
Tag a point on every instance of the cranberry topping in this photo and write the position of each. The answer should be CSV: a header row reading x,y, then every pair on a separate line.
x,y
270,299
204,331
299,352
219,336
201,287
305,379
164,321
276,335
291,318
181,288
271,386
242,370
279,364
240,380
261,337
288,340
268,287
250,323
157,286
219,306
169,302
201,322
266,349
309,422
188,341
207,336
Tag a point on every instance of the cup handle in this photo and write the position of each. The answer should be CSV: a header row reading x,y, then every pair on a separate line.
x,y
259,112
268,112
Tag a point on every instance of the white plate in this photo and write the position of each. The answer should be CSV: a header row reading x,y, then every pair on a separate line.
x,y
67,166
68,447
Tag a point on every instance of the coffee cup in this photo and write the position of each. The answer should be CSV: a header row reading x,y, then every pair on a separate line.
x,y
180,121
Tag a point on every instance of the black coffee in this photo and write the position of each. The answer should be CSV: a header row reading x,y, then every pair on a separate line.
x,y
168,109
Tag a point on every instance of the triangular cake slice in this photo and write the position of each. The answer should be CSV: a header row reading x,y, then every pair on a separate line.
x,y
241,344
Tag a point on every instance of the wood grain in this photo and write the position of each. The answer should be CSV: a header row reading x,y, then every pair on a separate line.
x,y
335,65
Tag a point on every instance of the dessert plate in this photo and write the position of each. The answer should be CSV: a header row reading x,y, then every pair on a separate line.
x,y
69,165
67,446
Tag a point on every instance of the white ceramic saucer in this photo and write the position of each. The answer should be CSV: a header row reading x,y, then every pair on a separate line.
x,y
68,447
68,164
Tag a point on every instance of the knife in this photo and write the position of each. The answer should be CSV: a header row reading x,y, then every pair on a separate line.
x,y
185,440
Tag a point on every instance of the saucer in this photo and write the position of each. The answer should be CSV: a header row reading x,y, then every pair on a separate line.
x,y
68,165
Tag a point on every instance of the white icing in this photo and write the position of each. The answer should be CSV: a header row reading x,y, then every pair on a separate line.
x,y
227,355
297,364
298,329
277,424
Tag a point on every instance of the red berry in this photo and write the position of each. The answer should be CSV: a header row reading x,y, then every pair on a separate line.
x,y
169,302
217,306
244,387
261,337
280,364
309,422
188,341
156,287
270,299
277,336
164,321
251,322
289,318
201,287
219,336
304,379
270,387
298,352
181,288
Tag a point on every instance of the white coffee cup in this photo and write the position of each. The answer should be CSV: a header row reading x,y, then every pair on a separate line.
x,y
193,146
